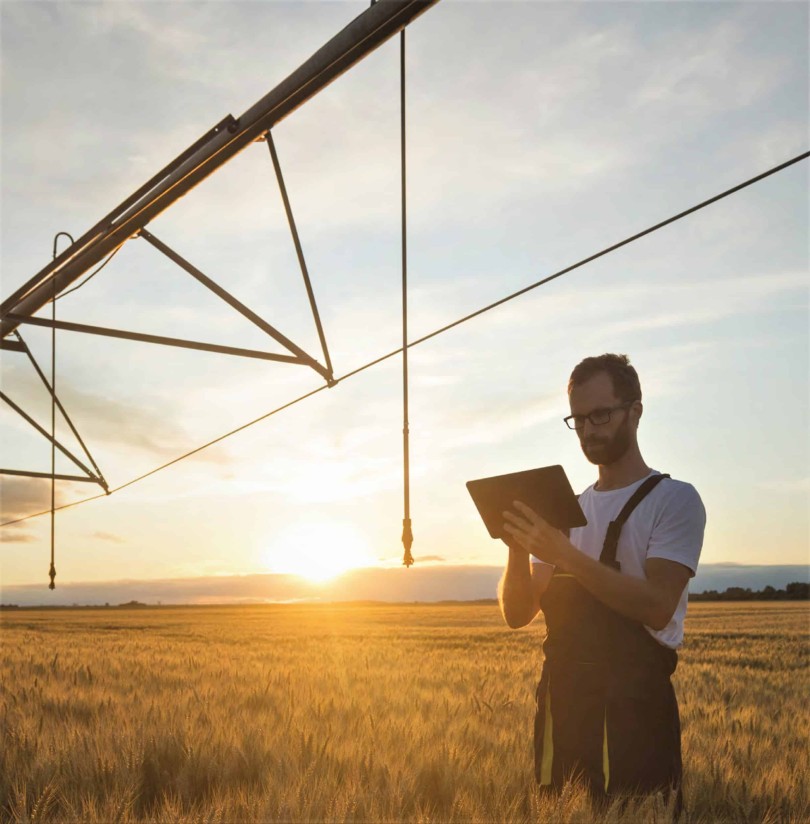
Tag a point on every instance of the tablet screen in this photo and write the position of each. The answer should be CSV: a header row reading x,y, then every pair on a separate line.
x,y
546,490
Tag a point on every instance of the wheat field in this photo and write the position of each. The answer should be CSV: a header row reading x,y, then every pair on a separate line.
x,y
417,713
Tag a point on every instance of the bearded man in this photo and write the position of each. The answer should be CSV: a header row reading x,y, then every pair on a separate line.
x,y
614,595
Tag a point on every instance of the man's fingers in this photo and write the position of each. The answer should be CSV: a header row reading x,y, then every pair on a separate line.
x,y
526,510
521,523
536,520
518,537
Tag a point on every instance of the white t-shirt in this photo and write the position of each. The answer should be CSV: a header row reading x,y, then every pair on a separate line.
x,y
668,523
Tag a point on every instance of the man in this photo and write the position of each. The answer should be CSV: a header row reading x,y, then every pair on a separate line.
x,y
614,597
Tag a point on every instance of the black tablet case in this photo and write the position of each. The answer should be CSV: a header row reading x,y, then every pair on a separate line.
x,y
546,490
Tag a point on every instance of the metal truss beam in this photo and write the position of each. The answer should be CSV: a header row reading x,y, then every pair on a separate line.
x,y
106,223
23,414
300,355
69,326
299,251
360,37
48,475
61,408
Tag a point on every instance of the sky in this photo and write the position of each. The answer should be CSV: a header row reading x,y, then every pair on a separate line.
x,y
538,133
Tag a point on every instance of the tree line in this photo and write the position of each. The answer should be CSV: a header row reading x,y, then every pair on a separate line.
x,y
796,591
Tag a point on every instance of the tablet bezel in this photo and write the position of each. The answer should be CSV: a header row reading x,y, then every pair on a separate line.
x,y
546,490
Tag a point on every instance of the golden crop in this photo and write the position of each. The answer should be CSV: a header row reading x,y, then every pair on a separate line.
x,y
364,713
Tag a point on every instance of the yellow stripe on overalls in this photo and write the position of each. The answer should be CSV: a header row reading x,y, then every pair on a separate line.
x,y
548,742
605,758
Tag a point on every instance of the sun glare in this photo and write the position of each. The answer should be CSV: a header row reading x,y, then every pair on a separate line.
x,y
318,551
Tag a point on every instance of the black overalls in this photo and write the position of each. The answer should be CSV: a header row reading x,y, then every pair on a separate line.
x,y
606,710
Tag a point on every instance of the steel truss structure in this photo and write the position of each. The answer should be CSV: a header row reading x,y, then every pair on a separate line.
x,y
215,148
130,218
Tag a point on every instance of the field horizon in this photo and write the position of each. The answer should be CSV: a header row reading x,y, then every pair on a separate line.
x,y
426,582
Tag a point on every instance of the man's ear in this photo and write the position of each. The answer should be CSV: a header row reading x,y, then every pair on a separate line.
x,y
639,408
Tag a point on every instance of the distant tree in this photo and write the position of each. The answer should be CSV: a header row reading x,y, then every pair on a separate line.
x,y
798,591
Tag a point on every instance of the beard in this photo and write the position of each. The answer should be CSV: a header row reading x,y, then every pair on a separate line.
x,y
605,451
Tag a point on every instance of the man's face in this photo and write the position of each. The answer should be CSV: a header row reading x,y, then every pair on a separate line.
x,y
606,443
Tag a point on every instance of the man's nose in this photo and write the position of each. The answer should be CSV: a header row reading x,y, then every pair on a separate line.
x,y
587,429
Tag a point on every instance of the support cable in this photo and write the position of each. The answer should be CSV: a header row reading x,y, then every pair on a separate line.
x,y
52,570
91,275
407,533
432,334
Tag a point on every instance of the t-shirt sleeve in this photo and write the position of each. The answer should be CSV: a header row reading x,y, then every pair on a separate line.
x,y
678,531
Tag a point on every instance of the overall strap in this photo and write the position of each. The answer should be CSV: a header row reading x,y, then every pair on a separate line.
x,y
614,529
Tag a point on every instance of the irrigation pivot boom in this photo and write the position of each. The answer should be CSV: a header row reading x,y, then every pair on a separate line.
x,y
129,219
215,148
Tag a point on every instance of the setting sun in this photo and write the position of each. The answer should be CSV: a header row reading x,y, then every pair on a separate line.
x,y
318,551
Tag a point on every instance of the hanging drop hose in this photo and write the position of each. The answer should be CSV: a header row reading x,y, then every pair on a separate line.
x,y
52,570
407,534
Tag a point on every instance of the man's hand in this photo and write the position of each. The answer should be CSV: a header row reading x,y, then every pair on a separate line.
x,y
528,530
651,600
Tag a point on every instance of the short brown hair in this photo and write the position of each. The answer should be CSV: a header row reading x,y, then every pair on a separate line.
x,y
624,377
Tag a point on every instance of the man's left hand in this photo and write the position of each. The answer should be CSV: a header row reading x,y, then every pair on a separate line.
x,y
534,534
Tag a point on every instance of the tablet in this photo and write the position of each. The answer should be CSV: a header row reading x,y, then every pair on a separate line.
x,y
546,490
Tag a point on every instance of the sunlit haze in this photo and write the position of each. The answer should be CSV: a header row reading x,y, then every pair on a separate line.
x,y
317,551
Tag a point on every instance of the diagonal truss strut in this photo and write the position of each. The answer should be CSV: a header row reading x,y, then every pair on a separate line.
x,y
70,326
23,414
299,251
59,405
301,355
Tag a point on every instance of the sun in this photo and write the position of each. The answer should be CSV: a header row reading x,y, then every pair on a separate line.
x,y
318,551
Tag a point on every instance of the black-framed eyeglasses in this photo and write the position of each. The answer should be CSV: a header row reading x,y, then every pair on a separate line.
x,y
598,417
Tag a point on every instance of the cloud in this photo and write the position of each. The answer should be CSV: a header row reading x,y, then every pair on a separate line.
x,y
493,422
17,534
109,536
101,418
21,496
644,303
786,485
695,72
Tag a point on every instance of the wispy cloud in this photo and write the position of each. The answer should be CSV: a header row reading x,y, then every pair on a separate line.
x,y
788,485
18,534
496,422
21,496
110,537
101,418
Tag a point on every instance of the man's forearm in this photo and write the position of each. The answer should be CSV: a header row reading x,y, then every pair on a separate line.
x,y
515,589
634,598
